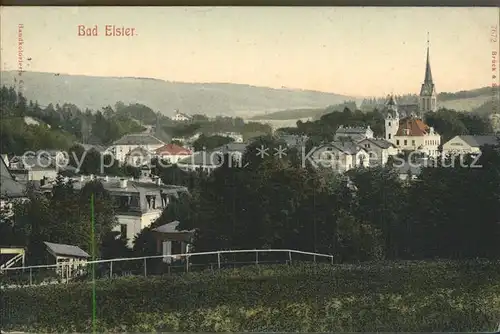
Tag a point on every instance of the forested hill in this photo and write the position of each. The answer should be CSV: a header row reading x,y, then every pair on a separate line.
x,y
211,99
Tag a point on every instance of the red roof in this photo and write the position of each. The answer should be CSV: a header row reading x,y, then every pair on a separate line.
x,y
172,149
410,126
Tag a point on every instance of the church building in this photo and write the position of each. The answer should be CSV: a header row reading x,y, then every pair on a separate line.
x,y
428,97
409,132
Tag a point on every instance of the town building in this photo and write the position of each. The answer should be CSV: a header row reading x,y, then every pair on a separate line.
x,y
181,117
138,203
10,189
33,168
138,157
123,146
410,133
172,153
354,133
379,150
341,156
468,144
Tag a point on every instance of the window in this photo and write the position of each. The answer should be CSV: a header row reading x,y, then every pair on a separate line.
x,y
151,199
389,123
397,142
405,142
413,142
123,230
389,136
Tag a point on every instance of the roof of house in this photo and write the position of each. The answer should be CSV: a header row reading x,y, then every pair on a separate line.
x,y
348,147
178,113
170,228
380,142
414,126
132,186
66,250
172,149
34,162
139,139
8,186
478,141
352,130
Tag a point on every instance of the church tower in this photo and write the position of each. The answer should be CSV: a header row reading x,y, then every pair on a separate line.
x,y
391,119
428,99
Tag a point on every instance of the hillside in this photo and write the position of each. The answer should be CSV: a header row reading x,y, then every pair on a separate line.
x,y
210,99
474,100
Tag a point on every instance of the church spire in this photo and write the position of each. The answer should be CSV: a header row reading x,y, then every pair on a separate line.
x,y
428,73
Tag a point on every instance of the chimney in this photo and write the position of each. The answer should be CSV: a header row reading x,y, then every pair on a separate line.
x,y
123,183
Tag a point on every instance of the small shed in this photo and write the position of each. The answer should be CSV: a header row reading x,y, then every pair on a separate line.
x,y
172,241
69,259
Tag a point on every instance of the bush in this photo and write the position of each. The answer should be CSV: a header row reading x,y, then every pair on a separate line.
x,y
413,296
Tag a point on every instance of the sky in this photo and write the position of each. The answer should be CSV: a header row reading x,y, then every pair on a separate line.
x,y
362,51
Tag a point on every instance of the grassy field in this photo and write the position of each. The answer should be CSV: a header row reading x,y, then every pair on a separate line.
x,y
383,297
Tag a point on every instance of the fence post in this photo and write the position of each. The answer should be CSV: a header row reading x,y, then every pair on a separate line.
x,y
31,277
290,257
218,259
145,269
111,269
314,258
256,257
187,263
332,259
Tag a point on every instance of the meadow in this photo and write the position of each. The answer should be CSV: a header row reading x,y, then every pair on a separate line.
x,y
432,296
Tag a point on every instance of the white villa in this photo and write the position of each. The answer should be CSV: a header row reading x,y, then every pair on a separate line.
x,y
180,117
121,148
139,202
410,133
379,150
341,156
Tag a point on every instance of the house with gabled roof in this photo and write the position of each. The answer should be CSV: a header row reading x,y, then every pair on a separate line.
x,y
123,146
138,157
354,133
469,144
181,117
172,153
138,203
414,135
379,150
340,156
70,260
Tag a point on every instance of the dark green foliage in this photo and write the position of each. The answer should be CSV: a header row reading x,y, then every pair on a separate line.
x,y
210,142
372,297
